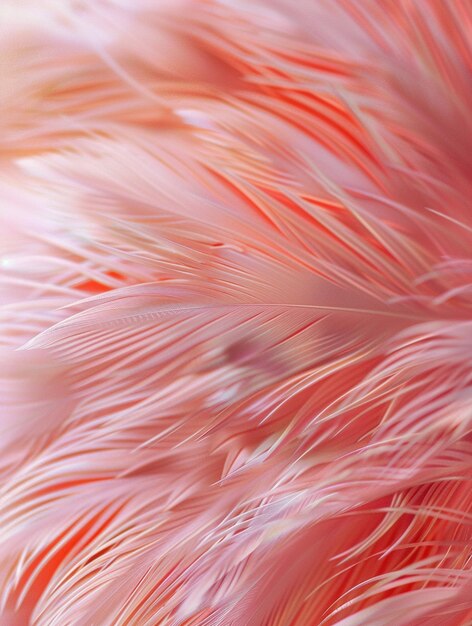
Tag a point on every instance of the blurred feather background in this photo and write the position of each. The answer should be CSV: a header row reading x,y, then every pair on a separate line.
x,y
236,331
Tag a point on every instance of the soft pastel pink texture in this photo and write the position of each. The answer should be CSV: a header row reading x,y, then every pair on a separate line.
x,y
236,342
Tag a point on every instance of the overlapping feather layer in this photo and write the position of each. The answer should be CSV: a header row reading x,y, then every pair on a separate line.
x,y
236,313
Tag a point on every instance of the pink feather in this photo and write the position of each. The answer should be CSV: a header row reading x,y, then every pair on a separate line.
x,y
236,330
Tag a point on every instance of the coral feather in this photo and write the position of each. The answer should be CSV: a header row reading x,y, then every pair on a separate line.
x,y
235,307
